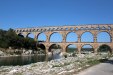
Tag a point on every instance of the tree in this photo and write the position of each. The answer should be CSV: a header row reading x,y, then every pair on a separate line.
x,y
104,48
11,39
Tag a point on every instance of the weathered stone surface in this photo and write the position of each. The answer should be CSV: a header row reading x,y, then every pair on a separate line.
x,y
64,30
2,53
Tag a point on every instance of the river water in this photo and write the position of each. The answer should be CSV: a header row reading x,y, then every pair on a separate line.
x,y
23,60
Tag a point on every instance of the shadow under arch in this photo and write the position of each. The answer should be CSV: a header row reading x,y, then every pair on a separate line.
x,y
103,35
87,48
71,37
87,36
41,48
54,47
71,48
20,35
104,48
56,37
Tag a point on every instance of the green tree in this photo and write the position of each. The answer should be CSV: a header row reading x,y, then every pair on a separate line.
x,y
11,39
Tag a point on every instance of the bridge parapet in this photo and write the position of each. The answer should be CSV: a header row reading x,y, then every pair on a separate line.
x,y
66,28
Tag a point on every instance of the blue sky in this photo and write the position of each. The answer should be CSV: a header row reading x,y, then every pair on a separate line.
x,y
34,13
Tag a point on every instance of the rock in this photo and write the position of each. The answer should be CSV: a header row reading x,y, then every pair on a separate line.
x,y
2,53
23,51
49,54
63,66
56,51
13,71
80,55
28,52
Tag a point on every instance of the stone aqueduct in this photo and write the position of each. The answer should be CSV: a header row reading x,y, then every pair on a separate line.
x,y
64,30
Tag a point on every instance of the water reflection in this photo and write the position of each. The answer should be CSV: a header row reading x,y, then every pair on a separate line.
x,y
21,60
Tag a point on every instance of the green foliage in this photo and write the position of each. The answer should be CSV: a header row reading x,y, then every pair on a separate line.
x,y
11,39
104,48
93,62
55,46
61,65
71,50
17,73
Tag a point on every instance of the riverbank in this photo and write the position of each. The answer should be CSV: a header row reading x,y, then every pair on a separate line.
x,y
19,52
63,66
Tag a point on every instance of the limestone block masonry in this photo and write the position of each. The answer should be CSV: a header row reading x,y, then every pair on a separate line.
x,y
64,30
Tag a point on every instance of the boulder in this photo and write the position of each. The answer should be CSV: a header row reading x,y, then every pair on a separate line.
x,y
2,53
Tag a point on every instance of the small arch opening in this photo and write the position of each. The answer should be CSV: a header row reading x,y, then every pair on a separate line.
x,y
103,28
86,28
71,29
97,28
109,28
66,28
81,28
76,28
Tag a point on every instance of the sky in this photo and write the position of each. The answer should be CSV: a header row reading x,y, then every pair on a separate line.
x,y
38,13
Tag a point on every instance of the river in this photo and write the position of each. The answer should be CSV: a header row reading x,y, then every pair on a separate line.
x,y
24,60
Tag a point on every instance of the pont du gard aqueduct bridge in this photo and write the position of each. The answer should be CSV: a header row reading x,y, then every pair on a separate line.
x,y
94,29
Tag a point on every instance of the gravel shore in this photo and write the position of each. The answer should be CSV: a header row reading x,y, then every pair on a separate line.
x,y
63,66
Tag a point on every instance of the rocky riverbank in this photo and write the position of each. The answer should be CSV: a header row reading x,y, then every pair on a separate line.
x,y
16,52
63,66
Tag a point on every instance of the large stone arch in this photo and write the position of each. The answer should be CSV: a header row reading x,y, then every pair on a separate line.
x,y
63,30
30,35
42,48
20,34
72,35
87,36
42,37
87,48
71,48
104,36
104,48
54,46
58,38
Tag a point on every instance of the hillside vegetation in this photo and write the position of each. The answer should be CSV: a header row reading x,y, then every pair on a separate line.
x,y
11,39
